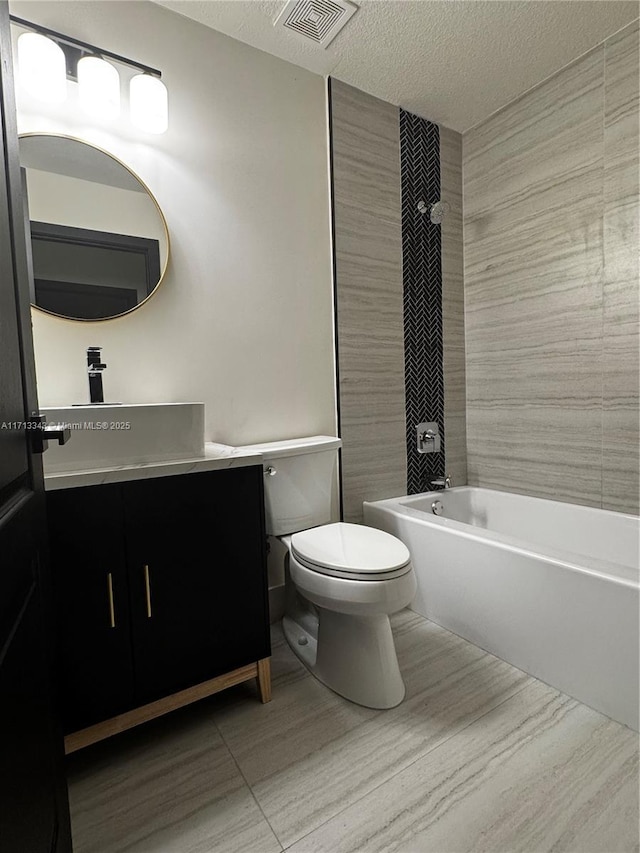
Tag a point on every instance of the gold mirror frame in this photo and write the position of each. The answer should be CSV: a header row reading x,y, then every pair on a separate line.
x,y
160,214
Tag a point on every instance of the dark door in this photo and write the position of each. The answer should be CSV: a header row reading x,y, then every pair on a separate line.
x,y
91,604
197,575
34,814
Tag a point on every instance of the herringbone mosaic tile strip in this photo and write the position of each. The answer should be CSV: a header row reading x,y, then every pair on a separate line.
x,y
422,300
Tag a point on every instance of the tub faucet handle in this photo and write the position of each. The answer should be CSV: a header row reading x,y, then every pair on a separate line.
x,y
428,437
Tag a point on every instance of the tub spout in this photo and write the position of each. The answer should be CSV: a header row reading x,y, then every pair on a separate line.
x,y
442,482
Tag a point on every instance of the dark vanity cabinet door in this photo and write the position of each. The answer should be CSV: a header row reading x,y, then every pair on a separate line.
x,y
196,552
91,599
159,585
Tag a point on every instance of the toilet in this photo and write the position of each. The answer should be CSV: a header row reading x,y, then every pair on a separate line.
x,y
342,580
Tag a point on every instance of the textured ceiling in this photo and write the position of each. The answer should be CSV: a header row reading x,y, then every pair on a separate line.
x,y
452,61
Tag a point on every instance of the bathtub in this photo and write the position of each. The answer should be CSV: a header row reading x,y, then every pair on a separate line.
x,y
550,587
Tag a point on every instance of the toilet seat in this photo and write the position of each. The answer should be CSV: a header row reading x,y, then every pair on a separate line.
x,y
352,552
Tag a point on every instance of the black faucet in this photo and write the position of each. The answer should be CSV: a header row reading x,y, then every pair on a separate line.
x,y
95,368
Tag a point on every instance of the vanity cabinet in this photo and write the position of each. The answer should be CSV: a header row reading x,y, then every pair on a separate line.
x,y
160,584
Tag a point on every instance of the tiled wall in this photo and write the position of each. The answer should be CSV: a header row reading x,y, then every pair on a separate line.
x,y
422,299
453,306
551,286
369,295
368,258
621,339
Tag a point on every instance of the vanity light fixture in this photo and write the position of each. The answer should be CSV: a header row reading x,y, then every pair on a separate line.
x,y
98,87
47,59
149,104
42,67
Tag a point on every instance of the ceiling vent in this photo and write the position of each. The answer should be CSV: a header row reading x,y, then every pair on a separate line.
x,y
318,21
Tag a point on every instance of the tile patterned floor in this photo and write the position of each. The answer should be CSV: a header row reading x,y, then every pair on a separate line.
x,y
479,757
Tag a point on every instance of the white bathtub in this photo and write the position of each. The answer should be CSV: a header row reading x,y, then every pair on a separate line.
x,y
550,587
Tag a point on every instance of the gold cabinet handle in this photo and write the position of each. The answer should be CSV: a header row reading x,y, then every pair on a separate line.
x,y
112,613
147,586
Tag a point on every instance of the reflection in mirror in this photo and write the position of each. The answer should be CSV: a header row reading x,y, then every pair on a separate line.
x,y
99,240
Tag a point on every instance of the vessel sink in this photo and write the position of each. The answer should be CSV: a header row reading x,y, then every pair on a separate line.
x,y
112,435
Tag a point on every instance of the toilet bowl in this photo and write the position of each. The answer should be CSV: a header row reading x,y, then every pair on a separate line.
x,y
346,580
343,581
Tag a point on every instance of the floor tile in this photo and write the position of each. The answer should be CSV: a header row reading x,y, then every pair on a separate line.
x,y
313,752
170,786
302,718
541,772
479,757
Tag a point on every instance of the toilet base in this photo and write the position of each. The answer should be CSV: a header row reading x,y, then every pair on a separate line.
x,y
353,655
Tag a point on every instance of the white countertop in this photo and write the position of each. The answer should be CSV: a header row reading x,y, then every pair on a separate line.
x,y
216,457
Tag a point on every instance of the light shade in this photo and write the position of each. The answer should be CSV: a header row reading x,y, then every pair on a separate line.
x,y
98,87
149,103
42,68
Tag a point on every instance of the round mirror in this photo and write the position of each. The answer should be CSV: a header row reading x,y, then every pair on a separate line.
x,y
99,240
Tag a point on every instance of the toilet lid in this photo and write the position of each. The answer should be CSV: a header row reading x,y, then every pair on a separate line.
x,y
347,548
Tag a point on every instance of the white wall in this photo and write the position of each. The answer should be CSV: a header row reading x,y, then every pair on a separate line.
x,y
243,320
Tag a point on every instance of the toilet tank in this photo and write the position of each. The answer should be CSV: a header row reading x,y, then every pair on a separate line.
x,y
300,482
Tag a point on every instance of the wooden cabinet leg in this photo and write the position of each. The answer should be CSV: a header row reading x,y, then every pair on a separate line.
x,y
264,679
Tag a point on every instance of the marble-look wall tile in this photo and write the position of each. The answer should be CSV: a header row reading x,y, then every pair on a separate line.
x,y
455,413
369,286
549,243
453,306
368,257
621,435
